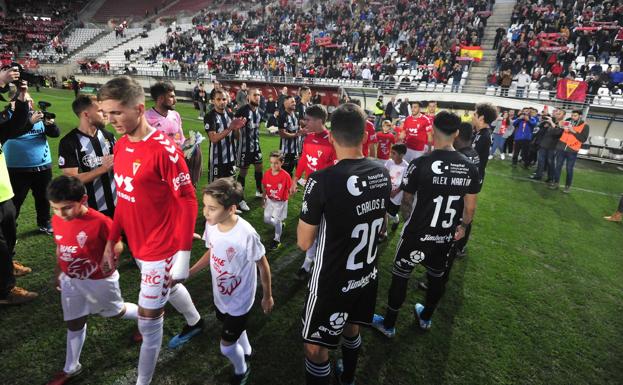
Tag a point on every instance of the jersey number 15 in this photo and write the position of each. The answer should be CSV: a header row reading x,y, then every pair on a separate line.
x,y
449,211
366,234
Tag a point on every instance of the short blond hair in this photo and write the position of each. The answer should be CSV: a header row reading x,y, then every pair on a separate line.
x,y
123,89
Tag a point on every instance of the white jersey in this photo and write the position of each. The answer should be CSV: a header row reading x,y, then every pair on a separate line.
x,y
396,172
233,255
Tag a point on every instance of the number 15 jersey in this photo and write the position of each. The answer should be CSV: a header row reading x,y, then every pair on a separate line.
x,y
347,202
439,181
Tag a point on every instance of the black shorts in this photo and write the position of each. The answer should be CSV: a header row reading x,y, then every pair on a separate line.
x,y
233,325
325,317
221,171
249,158
289,162
411,251
392,209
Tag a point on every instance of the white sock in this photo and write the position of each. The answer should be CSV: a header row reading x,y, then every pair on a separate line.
x,y
179,297
131,311
243,341
307,264
278,230
151,330
75,341
235,354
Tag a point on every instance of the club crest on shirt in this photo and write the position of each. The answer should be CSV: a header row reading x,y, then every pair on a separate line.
x,y
81,238
231,253
135,166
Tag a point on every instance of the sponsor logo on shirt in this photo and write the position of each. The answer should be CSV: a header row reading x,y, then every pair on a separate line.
x,y
227,283
336,324
415,257
354,186
438,167
81,268
361,282
181,180
92,160
437,238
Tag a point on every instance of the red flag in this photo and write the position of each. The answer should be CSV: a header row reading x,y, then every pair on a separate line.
x,y
572,90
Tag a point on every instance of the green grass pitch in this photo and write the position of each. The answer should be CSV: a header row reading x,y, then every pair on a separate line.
x,y
537,301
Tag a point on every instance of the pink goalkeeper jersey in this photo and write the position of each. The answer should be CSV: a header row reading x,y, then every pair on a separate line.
x,y
170,125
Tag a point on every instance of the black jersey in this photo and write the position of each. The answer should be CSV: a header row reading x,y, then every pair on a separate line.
x,y
439,181
347,202
474,159
482,145
78,150
224,151
250,133
290,124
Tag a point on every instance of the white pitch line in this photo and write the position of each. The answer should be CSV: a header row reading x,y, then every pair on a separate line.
x,y
166,355
536,181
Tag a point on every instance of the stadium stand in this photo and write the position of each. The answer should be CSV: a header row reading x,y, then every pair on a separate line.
x,y
553,42
126,10
383,43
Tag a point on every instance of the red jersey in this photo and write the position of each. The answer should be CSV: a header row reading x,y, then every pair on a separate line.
x,y
156,204
385,142
80,244
318,153
415,132
277,187
370,138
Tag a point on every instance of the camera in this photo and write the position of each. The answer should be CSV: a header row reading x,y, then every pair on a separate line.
x,y
44,108
30,77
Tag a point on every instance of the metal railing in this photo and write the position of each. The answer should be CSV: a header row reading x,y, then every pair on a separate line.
x,y
396,87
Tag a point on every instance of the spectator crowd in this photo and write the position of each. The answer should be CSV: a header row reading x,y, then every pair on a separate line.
x,y
548,41
364,41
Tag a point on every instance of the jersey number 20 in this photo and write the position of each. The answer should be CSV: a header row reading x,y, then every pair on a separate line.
x,y
365,233
449,211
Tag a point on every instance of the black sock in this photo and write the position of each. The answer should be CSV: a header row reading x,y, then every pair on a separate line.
x,y
258,181
436,289
317,374
391,316
241,180
396,297
350,353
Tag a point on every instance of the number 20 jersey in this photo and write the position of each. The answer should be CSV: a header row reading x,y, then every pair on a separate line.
x,y
439,181
347,202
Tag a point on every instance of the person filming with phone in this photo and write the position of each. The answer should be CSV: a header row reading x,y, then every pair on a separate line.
x,y
575,131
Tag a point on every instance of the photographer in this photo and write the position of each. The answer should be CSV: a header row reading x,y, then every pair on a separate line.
x,y
10,128
545,139
524,126
30,163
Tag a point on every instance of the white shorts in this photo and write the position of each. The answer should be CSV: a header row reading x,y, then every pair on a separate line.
x,y
81,297
155,278
413,154
276,209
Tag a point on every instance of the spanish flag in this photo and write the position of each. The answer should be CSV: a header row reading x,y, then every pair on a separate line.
x,y
473,51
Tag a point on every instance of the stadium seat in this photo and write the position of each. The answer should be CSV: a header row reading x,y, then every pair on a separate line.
x,y
613,143
597,141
